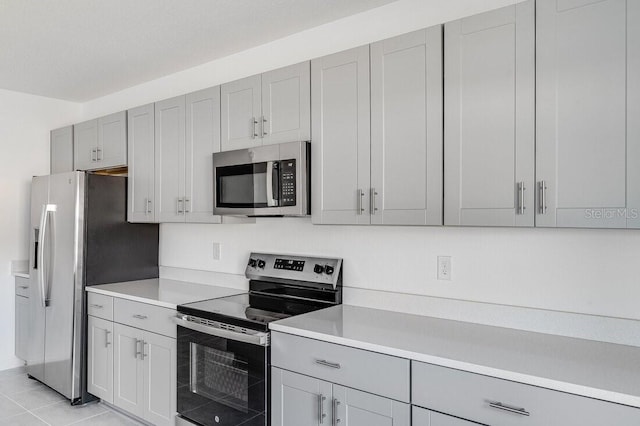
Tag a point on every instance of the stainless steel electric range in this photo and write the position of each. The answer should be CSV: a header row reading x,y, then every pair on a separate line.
x,y
223,344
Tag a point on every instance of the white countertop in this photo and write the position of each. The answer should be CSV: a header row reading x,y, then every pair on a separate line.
x,y
163,292
599,370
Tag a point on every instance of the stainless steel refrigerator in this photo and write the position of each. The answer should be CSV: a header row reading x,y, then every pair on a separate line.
x,y
79,237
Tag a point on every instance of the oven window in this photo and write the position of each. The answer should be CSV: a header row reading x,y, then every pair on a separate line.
x,y
218,375
242,186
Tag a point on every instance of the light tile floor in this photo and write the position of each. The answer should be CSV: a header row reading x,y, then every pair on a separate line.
x,y
27,402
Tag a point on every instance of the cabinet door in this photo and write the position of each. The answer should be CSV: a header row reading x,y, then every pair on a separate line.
x,y
240,112
159,354
286,104
340,151
140,132
62,150
85,145
169,164
128,375
406,129
22,327
356,408
112,140
100,358
588,72
298,400
422,417
489,118
202,140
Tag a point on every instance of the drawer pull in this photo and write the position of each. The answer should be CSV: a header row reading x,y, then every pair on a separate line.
x,y
327,363
24,287
138,316
500,406
93,305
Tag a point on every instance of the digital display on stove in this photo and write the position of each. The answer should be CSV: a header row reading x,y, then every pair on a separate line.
x,y
289,265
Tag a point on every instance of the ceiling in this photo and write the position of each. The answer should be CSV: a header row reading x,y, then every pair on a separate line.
x,y
79,50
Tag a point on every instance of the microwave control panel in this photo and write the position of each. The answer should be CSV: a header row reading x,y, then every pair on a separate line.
x,y
288,183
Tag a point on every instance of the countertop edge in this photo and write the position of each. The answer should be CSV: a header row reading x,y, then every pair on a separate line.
x,y
132,298
556,385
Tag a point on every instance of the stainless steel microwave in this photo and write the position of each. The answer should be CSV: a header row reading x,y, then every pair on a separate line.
x,y
271,180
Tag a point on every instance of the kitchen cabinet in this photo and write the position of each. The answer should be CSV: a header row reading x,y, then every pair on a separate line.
x,y
22,317
101,143
422,417
587,91
377,145
341,147
141,181
299,400
61,150
269,108
490,118
100,358
406,129
128,369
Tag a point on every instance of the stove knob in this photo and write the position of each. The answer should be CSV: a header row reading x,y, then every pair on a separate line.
x,y
261,263
328,269
318,269
252,263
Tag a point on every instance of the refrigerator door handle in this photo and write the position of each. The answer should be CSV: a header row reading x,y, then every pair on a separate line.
x,y
42,271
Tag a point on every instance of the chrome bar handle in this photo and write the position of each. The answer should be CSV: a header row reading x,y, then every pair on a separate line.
x,y
187,205
254,133
24,287
138,316
271,167
179,203
264,123
359,201
94,155
326,363
515,410
542,197
321,413
144,346
98,156
521,207
148,210
94,305
106,338
372,201
138,352
335,420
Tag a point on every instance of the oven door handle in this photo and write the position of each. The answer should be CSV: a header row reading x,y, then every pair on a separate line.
x,y
258,338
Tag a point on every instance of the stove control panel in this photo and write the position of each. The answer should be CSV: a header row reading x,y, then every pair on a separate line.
x,y
318,270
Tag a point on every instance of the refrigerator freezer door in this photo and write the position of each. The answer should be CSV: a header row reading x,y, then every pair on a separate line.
x,y
35,339
63,290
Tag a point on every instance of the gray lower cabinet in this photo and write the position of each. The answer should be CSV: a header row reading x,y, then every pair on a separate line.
x,y
299,400
490,118
100,358
62,150
587,91
141,147
422,417
22,317
101,143
128,369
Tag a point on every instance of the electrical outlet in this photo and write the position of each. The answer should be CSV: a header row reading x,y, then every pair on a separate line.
x,y
216,251
444,268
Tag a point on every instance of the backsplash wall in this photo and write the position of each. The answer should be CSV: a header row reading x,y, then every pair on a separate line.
x,y
584,271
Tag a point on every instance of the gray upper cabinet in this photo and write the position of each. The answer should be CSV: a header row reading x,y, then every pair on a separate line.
x,y
406,129
140,197
170,160
240,114
202,140
340,152
286,104
489,118
268,108
588,101
62,150
101,143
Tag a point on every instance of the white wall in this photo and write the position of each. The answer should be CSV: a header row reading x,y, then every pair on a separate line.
x,y
25,122
583,271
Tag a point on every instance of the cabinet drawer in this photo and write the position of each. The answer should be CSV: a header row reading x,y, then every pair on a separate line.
x,y
368,371
22,286
99,305
146,317
477,397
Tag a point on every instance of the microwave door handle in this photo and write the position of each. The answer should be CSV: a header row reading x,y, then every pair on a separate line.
x,y
271,170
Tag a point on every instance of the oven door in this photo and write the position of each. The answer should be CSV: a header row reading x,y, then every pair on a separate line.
x,y
221,381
